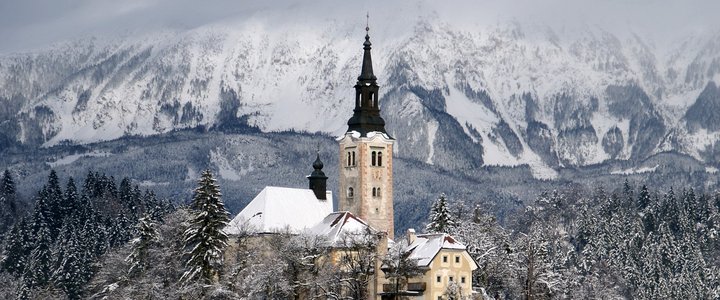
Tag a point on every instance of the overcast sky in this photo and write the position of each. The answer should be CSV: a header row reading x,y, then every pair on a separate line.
x,y
28,24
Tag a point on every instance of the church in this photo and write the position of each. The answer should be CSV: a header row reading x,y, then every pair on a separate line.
x,y
365,204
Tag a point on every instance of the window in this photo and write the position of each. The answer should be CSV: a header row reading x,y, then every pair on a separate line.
x,y
350,193
462,279
438,279
439,297
379,160
373,192
445,258
372,99
349,160
457,259
353,158
378,192
450,279
372,156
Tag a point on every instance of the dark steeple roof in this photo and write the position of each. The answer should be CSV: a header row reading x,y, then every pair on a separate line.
x,y
366,115
318,180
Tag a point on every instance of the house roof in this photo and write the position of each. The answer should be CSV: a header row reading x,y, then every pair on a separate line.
x,y
277,209
340,228
426,247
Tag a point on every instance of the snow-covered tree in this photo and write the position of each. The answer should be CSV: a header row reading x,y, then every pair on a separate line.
x,y
398,267
440,219
204,236
146,236
8,202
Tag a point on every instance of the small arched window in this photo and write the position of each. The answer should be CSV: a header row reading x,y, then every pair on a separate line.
x,y
373,192
353,158
379,159
348,159
350,192
377,192
373,157
372,99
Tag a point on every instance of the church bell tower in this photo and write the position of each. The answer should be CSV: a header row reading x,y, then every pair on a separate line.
x,y
366,181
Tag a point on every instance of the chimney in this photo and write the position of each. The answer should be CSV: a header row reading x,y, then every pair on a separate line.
x,y
411,236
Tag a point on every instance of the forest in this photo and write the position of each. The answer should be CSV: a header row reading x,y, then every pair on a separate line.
x,y
106,240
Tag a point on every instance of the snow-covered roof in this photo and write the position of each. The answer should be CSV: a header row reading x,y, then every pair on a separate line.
x,y
426,246
341,227
277,209
357,135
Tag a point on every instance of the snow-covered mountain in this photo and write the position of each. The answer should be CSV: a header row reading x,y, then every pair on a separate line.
x,y
504,94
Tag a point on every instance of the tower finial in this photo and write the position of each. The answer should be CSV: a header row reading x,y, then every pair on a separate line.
x,y
367,23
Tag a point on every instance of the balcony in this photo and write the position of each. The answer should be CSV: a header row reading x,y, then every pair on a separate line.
x,y
411,287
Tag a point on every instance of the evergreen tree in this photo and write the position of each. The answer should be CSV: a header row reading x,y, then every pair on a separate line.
x,y
70,272
39,269
204,236
17,246
8,202
71,201
54,201
146,236
440,219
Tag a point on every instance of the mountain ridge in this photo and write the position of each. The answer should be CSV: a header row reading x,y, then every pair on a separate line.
x,y
508,95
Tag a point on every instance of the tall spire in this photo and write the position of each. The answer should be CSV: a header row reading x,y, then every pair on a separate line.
x,y
366,115
367,69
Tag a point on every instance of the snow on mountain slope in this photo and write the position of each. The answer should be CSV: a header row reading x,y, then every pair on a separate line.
x,y
505,94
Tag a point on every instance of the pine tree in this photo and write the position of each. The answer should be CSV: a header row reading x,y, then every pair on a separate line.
x,y
70,274
146,236
204,236
71,201
18,245
8,202
440,219
39,269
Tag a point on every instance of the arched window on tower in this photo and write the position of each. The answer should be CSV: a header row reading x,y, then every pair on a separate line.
x,y
379,159
377,192
372,99
373,157
348,159
353,158
375,100
373,192
357,99
350,192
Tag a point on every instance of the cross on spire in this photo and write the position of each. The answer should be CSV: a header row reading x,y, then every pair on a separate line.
x,y
367,23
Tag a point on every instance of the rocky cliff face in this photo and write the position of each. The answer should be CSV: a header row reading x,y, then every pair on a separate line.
x,y
501,95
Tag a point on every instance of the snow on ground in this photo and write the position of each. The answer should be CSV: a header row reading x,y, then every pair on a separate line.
x,y
432,128
72,158
632,171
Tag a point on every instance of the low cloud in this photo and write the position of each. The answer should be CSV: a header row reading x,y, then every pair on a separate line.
x,y
37,23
